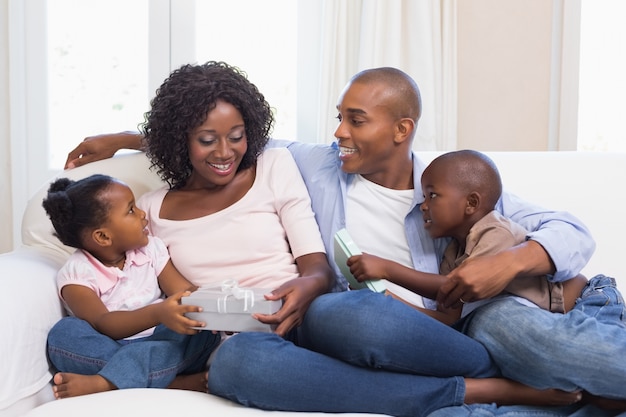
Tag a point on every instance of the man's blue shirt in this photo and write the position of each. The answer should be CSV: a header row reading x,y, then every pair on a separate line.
x,y
327,184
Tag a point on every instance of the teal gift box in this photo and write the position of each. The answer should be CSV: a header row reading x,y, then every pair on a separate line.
x,y
230,307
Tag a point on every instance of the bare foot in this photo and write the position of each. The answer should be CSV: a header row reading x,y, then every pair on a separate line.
x,y
72,385
605,403
194,382
506,392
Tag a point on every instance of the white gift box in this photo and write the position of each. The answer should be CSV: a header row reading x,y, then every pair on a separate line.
x,y
230,308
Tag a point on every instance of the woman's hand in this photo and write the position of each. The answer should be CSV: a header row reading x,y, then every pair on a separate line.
x,y
316,278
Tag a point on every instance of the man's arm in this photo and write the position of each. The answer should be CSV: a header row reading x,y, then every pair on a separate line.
x,y
565,239
94,148
486,276
544,252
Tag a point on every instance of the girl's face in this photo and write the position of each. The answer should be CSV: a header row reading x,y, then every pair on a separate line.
x,y
217,146
126,223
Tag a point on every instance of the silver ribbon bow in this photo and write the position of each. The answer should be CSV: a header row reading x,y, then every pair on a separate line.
x,y
230,287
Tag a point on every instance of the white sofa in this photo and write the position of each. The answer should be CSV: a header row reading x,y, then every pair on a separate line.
x,y
580,182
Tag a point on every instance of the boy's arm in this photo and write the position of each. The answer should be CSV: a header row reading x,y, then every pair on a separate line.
x,y
369,267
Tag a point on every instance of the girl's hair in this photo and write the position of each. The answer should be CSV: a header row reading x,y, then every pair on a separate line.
x,y
182,103
76,207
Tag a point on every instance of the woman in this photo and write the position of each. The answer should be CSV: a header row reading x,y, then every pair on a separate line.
x,y
205,135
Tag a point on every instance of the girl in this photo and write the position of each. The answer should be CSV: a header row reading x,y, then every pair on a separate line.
x,y
112,286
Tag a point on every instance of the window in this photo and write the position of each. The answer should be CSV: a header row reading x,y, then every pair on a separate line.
x,y
100,66
88,67
97,74
265,48
602,84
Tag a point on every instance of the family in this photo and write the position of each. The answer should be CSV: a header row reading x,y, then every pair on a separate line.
x,y
264,211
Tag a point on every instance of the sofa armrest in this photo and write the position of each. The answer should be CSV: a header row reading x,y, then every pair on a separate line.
x,y
30,307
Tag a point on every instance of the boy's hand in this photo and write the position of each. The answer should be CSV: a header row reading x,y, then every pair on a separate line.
x,y
367,267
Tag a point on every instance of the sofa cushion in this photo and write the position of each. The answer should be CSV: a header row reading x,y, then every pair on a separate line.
x,y
131,168
28,279
153,402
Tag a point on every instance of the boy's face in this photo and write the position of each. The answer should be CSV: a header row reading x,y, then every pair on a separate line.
x,y
444,205
366,129
126,223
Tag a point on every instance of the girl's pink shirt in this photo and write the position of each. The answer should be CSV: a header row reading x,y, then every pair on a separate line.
x,y
126,289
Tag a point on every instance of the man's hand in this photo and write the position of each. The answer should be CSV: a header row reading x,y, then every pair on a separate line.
x,y
475,279
486,276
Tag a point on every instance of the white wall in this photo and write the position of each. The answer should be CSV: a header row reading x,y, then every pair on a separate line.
x,y
505,64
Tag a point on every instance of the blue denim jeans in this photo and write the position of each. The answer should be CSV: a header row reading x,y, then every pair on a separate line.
x,y
149,362
583,349
492,410
356,351
601,299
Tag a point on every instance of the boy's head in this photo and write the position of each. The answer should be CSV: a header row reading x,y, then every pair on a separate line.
x,y
89,213
378,113
459,189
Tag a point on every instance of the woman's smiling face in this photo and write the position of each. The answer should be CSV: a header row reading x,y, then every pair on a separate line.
x,y
217,146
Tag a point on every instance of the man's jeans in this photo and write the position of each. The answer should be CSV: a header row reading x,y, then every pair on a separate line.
x,y
583,349
149,362
492,410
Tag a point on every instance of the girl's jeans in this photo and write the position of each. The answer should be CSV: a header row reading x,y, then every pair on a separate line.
x,y
149,362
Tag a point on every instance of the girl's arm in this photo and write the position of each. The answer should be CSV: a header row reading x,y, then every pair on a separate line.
x,y
171,281
86,305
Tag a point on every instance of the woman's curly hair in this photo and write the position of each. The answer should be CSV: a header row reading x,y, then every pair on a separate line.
x,y
182,103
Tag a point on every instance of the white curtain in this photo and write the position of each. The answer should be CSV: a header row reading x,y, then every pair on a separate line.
x,y
416,36
6,237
